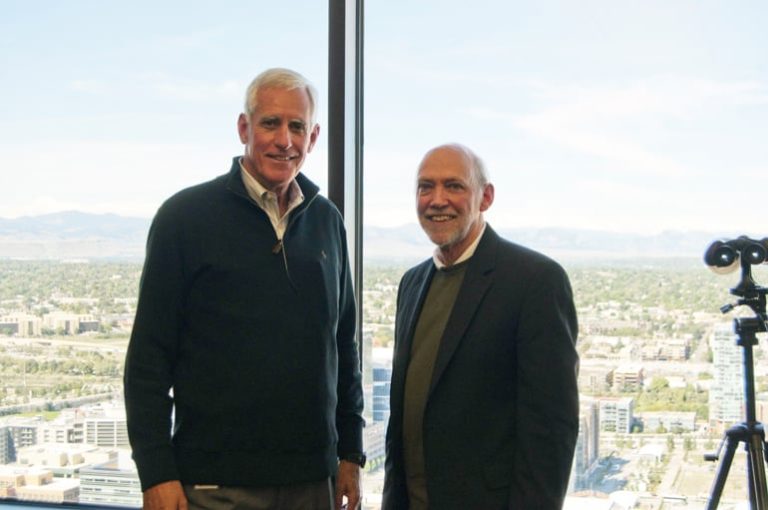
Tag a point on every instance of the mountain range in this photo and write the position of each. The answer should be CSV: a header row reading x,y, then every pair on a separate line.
x,y
74,235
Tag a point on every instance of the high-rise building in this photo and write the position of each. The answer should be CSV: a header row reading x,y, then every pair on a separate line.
x,y
106,426
16,432
374,443
381,385
616,414
587,445
7,449
726,395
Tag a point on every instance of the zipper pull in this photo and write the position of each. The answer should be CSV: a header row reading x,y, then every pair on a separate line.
x,y
277,247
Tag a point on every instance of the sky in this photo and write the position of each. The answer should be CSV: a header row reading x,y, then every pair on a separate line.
x,y
630,116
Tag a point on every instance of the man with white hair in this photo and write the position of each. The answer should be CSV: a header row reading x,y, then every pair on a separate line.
x,y
484,402
245,330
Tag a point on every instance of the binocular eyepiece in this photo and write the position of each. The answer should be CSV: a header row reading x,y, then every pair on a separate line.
x,y
724,257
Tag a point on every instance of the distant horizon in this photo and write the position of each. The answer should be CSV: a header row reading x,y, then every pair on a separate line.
x,y
415,223
80,234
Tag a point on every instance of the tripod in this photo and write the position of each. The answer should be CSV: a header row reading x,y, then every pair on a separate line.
x,y
749,432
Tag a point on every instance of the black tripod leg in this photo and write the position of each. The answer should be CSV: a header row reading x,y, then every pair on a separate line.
x,y
722,472
756,473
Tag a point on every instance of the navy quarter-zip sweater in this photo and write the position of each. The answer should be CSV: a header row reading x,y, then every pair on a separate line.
x,y
251,347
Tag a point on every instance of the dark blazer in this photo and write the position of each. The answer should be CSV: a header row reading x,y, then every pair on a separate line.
x,y
501,418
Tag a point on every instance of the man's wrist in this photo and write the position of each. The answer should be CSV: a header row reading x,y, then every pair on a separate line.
x,y
355,458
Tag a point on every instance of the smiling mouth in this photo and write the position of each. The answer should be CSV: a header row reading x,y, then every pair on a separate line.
x,y
439,218
283,158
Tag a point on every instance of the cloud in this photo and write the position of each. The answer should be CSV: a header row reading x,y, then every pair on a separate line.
x,y
623,152
162,85
94,87
624,125
96,176
191,90
666,95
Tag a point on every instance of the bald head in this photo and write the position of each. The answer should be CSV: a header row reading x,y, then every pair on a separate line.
x,y
452,191
478,173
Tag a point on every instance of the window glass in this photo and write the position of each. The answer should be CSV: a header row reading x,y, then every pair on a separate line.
x,y
109,108
622,138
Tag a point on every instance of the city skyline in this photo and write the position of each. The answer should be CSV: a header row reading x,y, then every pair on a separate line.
x,y
653,334
620,116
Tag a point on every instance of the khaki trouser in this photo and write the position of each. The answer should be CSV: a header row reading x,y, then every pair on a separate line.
x,y
303,496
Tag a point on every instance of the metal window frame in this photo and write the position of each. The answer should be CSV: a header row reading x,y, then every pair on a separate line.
x,y
345,130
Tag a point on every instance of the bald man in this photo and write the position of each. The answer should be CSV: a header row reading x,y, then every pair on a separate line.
x,y
484,401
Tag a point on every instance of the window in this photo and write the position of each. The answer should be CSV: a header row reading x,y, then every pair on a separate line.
x,y
109,109
622,138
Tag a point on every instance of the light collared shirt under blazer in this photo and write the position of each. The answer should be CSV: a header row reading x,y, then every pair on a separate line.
x,y
501,417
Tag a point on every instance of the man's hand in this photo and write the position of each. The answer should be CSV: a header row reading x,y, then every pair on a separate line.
x,y
165,496
348,484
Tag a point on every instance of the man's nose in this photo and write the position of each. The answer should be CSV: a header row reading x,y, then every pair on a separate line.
x,y
283,138
438,198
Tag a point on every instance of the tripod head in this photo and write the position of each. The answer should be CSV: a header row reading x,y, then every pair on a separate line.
x,y
725,256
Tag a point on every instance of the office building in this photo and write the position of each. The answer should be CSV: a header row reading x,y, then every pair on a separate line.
x,y
616,414
109,484
726,396
381,386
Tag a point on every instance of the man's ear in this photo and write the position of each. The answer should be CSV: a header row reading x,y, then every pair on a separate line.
x,y
313,137
242,128
488,193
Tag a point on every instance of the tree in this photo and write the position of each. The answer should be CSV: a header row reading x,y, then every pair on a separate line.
x,y
659,384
